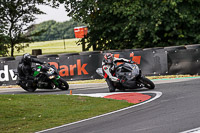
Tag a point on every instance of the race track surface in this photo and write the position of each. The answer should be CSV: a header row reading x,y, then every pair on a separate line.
x,y
176,110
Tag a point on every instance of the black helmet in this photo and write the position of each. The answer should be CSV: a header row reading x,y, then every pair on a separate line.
x,y
108,58
27,57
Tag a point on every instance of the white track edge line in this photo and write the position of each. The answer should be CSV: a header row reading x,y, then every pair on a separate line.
x,y
195,130
158,94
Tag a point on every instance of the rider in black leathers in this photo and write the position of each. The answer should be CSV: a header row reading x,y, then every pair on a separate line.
x,y
25,70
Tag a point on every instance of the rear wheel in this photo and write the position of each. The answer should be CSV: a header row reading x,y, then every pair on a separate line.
x,y
147,83
29,89
63,85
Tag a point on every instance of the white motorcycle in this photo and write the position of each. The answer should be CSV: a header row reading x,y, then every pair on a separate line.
x,y
131,76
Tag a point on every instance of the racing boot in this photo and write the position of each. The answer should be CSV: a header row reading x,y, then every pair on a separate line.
x,y
111,86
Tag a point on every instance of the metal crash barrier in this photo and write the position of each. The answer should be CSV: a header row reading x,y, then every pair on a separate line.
x,y
82,66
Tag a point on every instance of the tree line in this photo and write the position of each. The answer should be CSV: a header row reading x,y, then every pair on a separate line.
x,y
53,30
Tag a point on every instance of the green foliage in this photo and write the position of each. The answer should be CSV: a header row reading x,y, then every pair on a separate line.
x,y
55,30
3,46
15,19
3,49
126,24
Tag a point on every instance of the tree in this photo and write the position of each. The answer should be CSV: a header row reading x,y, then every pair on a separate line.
x,y
15,18
124,24
3,46
3,39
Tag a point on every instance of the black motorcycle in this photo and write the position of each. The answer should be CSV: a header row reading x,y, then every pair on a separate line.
x,y
47,78
130,76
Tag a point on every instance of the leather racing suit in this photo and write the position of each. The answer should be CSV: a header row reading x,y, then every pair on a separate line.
x,y
109,69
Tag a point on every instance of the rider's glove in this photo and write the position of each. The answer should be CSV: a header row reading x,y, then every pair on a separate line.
x,y
36,78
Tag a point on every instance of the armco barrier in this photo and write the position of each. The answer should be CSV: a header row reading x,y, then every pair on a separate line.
x,y
6,72
152,61
185,61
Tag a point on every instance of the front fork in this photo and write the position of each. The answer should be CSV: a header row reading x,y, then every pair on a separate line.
x,y
138,82
55,81
140,73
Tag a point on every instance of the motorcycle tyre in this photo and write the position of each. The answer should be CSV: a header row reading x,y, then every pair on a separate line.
x,y
147,83
110,85
29,89
63,85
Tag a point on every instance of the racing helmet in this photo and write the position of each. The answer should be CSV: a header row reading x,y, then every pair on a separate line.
x,y
108,58
27,57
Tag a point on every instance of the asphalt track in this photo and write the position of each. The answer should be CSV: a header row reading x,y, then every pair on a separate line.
x,y
176,110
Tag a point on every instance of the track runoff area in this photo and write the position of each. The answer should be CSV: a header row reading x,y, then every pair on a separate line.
x,y
138,98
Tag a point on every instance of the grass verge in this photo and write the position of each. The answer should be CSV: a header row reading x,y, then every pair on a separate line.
x,y
31,113
53,47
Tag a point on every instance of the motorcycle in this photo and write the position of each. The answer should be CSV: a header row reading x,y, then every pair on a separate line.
x,y
131,77
47,78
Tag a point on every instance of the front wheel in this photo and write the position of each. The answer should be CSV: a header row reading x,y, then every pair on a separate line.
x,y
63,85
147,83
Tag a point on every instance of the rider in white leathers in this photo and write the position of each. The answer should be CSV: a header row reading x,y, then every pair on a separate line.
x,y
108,66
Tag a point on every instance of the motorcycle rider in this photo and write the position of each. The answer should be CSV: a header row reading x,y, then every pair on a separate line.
x,y
25,70
108,66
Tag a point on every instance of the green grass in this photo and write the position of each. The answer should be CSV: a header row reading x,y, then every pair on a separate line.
x,y
31,113
53,47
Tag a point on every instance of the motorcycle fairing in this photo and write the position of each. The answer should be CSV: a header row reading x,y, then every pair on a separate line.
x,y
37,71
